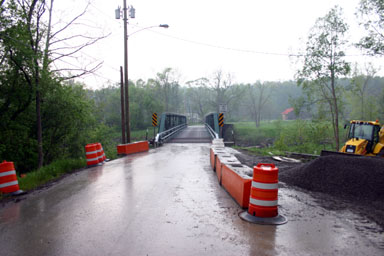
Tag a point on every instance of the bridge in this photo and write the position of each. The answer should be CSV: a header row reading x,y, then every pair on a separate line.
x,y
166,201
173,128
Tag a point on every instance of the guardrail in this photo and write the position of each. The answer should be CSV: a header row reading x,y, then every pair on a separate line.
x,y
211,132
165,135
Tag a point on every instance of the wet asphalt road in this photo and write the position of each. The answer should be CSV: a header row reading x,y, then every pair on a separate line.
x,y
166,202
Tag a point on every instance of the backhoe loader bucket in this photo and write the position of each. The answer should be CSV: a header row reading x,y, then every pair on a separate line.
x,y
333,153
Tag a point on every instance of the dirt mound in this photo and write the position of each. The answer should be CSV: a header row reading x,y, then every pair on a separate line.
x,y
350,177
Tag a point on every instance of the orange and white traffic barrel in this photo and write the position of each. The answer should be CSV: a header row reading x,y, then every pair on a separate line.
x,y
99,152
263,201
91,155
8,179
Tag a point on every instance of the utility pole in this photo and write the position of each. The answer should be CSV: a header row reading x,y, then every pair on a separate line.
x,y
126,90
122,106
127,121
125,102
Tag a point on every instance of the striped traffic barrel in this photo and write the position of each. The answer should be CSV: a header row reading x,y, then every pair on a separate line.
x,y
91,155
263,199
264,191
8,178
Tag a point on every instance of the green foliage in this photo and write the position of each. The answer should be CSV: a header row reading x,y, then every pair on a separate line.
x,y
67,120
371,16
305,137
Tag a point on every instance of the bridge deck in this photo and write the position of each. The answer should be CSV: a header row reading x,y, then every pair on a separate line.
x,y
192,134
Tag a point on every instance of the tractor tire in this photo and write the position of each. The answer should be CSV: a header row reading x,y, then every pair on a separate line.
x,y
381,153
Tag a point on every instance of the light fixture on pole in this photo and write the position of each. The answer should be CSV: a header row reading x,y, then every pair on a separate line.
x,y
132,14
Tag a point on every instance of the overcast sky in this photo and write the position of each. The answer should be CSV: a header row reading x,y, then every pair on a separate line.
x,y
251,39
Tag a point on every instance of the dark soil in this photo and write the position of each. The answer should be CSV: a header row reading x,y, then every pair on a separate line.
x,y
359,178
338,182
358,181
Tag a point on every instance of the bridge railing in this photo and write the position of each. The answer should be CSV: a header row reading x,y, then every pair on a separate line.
x,y
212,125
211,132
170,125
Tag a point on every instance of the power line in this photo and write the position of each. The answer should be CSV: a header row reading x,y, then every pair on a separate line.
x,y
245,50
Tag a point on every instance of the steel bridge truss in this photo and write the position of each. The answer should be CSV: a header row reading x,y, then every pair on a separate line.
x,y
170,125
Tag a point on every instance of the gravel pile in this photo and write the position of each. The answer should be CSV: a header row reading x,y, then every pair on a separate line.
x,y
349,177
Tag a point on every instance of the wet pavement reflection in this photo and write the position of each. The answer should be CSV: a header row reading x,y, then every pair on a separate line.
x,y
165,202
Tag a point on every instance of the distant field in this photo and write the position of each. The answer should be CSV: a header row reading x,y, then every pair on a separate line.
x,y
248,134
279,136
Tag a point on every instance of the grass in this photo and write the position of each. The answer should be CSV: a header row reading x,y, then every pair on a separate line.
x,y
139,135
248,133
48,173
279,136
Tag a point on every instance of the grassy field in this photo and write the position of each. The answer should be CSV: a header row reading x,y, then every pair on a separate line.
x,y
280,136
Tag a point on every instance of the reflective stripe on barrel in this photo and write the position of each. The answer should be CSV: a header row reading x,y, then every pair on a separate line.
x,y
92,159
263,202
92,152
3,174
12,183
265,185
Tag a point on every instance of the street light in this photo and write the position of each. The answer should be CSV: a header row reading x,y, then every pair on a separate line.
x,y
158,26
132,13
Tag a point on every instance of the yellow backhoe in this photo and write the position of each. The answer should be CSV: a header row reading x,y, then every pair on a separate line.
x,y
365,138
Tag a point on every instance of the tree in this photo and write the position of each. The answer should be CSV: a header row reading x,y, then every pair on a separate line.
x,y
168,86
224,91
359,86
381,105
259,94
371,15
324,63
197,97
29,48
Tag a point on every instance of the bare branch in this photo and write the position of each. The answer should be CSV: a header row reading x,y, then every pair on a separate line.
x,y
71,22
83,71
73,37
79,48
